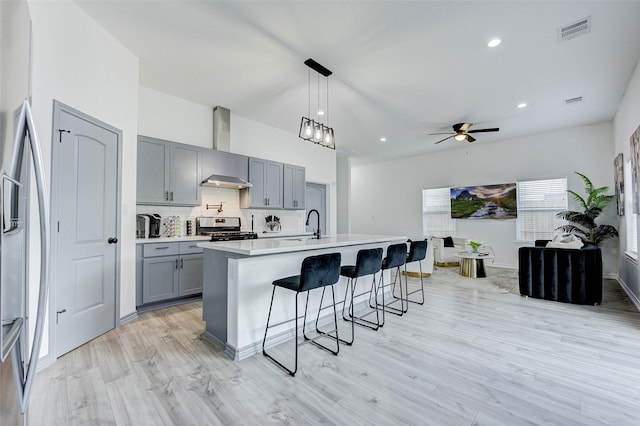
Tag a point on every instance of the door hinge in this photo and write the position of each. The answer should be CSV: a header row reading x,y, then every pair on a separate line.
x,y
61,131
58,226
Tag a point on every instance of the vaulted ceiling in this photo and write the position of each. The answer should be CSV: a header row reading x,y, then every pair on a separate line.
x,y
401,69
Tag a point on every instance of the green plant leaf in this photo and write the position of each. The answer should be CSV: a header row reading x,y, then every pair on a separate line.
x,y
572,229
578,199
588,186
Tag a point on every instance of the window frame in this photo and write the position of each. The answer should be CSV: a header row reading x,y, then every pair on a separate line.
x,y
451,229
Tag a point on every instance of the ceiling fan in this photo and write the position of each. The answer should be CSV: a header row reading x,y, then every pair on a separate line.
x,y
461,132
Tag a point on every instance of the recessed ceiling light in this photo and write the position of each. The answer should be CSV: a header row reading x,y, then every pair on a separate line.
x,y
383,139
522,105
495,42
320,112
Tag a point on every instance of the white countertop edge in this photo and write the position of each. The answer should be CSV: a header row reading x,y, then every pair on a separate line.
x,y
276,246
285,234
172,239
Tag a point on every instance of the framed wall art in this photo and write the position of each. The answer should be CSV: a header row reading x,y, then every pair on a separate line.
x,y
619,183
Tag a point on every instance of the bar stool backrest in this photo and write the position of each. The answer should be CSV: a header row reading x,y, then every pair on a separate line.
x,y
319,271
368,261
396,256
417,251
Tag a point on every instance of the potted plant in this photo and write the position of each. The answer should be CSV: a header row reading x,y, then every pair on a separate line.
x,y
583,223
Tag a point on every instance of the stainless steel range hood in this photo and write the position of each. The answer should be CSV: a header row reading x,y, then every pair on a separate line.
x,y
221,181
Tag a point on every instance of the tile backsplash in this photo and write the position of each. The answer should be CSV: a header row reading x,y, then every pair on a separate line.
x,y
290,220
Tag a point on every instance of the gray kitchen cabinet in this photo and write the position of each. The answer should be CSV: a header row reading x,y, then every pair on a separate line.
x,y
169,271
159,278
293,187
266,177
168,173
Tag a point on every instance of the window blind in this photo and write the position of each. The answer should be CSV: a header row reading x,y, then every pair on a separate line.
x,y
538,203
436,213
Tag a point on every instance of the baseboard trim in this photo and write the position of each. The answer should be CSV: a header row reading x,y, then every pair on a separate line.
x,y
129,318
631,294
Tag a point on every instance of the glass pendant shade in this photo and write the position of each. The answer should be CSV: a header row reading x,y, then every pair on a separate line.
x,y
306,128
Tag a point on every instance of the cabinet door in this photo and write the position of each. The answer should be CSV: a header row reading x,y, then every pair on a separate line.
x,y
273,184
299,187
190,274
257,177
153,177
184,188
160,278
288,196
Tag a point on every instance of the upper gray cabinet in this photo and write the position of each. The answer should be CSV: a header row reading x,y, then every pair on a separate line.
x,y
168,173
266,177
293,187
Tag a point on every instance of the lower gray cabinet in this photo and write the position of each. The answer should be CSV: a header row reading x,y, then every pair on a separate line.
x,y
159,278
169,271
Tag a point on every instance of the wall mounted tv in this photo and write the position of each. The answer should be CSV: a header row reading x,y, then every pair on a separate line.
x,y
484,202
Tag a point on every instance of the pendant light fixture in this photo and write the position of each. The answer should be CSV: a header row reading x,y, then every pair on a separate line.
x,y
312,129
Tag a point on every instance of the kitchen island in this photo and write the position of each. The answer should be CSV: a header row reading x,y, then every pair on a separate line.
x,y
237,285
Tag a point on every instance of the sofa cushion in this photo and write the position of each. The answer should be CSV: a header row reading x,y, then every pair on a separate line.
x,y
448,242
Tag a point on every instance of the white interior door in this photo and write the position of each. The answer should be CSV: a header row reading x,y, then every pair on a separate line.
x,y
86,228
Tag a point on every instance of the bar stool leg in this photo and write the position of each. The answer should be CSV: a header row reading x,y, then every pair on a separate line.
x,y
312,340
421,290
295,340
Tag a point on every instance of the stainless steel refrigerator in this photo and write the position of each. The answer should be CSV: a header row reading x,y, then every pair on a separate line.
x,y
21,180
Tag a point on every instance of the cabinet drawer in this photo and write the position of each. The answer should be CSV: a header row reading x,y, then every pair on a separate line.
x,y
161,249
189,247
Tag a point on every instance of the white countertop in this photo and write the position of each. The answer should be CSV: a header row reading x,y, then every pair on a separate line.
x,y
289,245
172,239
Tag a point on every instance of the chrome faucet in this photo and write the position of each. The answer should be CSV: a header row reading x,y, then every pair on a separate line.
x,y
316,233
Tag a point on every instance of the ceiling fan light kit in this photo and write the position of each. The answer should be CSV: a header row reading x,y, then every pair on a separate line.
x,y
461,132
312,129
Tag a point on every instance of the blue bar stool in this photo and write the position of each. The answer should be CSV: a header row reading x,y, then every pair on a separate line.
x,y
417,253
316,272
368,262
396,257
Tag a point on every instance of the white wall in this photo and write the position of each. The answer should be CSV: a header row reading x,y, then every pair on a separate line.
x,y
167,117
387,196
625,123
76,62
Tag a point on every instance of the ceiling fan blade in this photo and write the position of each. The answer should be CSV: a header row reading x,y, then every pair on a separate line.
x,y
447,133
470,138
461,127
442,140
493,129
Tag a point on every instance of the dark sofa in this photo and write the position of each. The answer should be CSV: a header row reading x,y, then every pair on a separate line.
x,y
563,275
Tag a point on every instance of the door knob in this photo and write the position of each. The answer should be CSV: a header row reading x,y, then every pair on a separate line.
x,y
112,240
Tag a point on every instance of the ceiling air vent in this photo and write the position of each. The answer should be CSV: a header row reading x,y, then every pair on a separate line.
x,y
574,30
572,101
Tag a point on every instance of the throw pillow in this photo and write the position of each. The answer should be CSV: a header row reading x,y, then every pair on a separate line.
x,y
448,242
565,241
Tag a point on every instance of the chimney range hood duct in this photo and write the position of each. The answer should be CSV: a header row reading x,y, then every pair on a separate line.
x,y
221,181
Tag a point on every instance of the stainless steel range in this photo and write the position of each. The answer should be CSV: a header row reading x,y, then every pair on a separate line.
x,y
222,228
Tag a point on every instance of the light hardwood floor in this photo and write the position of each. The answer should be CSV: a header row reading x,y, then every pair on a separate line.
x,y
473,354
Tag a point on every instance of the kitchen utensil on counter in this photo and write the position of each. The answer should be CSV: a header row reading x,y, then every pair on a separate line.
x,y
189,227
